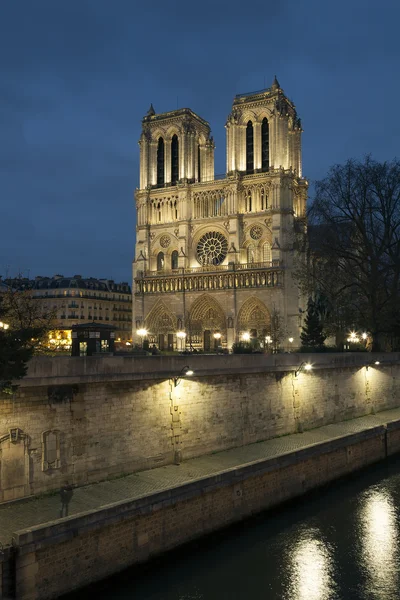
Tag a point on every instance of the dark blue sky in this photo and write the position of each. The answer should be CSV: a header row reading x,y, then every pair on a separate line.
x,y
77,76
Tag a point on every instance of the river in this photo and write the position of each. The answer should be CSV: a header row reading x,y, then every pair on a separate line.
x,y
339,543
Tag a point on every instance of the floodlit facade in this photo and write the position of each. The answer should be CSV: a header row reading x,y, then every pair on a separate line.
x,y
78,299
214,256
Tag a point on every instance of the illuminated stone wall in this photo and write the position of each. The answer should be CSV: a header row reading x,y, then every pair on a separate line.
x,y
57,557
85,420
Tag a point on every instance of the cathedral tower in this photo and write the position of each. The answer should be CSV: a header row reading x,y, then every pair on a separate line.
x,y
214,257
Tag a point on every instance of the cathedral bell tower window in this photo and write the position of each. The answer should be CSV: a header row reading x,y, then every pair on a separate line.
x,y
249,148
174,160
160,163
160,261
264,145
174,260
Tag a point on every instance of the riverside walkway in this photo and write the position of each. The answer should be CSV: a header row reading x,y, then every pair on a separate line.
x,y
30,512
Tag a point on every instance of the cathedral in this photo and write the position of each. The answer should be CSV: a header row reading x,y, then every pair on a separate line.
x,y
214,255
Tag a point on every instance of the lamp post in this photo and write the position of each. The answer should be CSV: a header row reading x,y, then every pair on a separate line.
x,y
142,334
4,326
246,336
268,340
181,335
217,337
290,342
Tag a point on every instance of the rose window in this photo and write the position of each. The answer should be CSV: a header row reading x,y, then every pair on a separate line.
x,y
165,241
256,232
212,248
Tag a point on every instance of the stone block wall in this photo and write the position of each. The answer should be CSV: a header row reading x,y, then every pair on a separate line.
x,y
87,425
56,558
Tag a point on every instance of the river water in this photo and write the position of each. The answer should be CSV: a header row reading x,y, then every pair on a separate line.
x,y
340,543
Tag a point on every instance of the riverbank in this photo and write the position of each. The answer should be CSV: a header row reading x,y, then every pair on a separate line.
x,y
114,524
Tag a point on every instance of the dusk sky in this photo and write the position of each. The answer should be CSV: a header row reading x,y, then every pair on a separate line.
x,y
77,77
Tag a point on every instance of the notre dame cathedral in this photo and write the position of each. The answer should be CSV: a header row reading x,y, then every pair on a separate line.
x,y
214,256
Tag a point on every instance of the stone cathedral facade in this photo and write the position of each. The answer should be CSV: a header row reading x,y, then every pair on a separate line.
x,y
214,255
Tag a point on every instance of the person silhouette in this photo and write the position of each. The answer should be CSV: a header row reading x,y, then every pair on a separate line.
x,y
66,493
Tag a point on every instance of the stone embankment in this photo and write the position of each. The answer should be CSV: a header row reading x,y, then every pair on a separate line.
x,y
115,524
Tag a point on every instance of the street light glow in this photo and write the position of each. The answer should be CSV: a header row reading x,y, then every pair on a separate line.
x,y
181,334
246,336
217,336
142,332
291,340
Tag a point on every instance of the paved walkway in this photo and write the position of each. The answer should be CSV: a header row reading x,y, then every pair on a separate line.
x,y
30,512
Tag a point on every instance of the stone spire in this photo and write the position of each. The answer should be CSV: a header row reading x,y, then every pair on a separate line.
x,y
151,111
275,84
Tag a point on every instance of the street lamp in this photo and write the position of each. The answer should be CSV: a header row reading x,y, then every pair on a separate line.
x,y
217,337
303,367
181,335
4,326
142,333
185,372
246,336
268,340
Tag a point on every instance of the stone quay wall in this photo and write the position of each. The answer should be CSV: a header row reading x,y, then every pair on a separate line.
x,y
81,420
58,557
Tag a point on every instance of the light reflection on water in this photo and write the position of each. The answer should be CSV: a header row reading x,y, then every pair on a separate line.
x,y
340,544
379,544
310,568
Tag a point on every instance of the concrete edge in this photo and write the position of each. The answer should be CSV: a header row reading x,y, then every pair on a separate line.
x,y
61,530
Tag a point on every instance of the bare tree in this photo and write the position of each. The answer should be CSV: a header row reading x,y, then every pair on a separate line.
x,y
355,258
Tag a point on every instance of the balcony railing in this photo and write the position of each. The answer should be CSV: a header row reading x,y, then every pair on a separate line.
x,y
209,269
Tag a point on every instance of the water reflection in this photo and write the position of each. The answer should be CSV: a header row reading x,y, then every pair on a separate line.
x,y
310,568
379,540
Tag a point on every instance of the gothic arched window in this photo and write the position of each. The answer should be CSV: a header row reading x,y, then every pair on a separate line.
x,y
264,145
160,261
198,163
267,253
160,162
174,259
174,160
249,148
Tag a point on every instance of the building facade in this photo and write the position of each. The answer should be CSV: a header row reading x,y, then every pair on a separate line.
x,y
214,256
77,299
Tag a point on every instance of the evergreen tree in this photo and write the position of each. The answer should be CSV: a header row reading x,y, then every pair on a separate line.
x,y
312,335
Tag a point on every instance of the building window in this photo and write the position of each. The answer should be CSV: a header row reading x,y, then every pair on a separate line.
x,y
174,260
198,163
249,148
247,201
264,145
267,257
160,261
174,160
160,162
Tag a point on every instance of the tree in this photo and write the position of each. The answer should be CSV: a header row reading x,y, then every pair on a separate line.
x,y
312,335
354,258
26,329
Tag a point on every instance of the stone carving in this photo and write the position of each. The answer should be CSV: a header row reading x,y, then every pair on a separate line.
x,y
51,450
165,241
176,231
256,232
152,236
